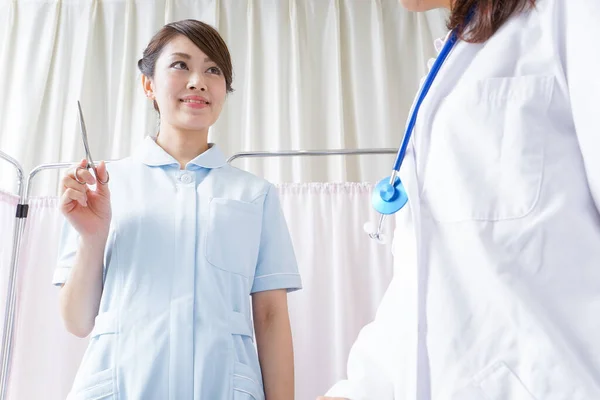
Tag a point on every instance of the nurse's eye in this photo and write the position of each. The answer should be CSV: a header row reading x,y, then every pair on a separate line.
x,y
179,65
214,70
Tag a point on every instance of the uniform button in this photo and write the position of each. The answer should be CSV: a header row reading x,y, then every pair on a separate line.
x,y
185,178
430,63
439,44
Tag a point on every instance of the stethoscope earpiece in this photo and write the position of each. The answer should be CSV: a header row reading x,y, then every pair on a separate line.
x,y
379,237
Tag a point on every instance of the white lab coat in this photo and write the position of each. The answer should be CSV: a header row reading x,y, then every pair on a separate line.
x,y
496,292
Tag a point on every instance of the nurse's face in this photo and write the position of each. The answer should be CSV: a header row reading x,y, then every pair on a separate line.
x,y
188,86
425,5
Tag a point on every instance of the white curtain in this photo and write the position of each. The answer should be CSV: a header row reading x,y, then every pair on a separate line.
x,y
309,74
344,275
44,356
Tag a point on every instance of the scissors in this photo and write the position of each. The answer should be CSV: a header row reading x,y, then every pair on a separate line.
x,y
88,155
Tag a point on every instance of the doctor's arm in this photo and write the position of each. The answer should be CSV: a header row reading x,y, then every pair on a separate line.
x,y
580,31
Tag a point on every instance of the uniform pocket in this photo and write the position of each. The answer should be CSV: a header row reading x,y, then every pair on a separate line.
x,y
486,150
233,235
99,386
245,383
497,382
95,378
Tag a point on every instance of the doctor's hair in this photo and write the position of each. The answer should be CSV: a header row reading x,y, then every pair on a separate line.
x,y
204,36
488,16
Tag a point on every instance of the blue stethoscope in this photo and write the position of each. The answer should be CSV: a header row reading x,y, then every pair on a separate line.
x,y
389,195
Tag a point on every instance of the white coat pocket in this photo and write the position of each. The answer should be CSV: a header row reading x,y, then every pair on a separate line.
x,y
485,156
233,235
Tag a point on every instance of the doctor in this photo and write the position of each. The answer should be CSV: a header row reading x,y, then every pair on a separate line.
x,y
496,292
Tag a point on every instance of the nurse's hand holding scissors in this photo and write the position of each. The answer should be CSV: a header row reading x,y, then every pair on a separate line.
x,y
87,210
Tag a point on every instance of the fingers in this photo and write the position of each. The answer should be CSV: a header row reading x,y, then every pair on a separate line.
x,y
102,172
83,175
75,175
102,175
69,182
71,195
83,164
78,173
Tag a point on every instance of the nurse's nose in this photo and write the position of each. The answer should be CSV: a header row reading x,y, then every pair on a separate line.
x,y
197,83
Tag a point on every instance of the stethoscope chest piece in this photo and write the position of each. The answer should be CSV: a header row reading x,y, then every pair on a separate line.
x,y
387,198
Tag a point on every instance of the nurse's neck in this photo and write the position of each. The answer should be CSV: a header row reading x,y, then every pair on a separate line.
x,y
432,4
183,146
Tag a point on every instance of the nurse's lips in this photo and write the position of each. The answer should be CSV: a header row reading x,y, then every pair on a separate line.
x,y
195,101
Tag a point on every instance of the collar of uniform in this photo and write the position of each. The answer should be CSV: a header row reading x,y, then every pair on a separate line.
x,y
151,154
211,158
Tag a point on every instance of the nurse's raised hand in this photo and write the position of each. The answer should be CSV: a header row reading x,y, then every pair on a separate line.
x,y
87,210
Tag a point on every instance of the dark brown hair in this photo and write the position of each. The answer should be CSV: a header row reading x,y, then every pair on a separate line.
x,y
488,16
201,34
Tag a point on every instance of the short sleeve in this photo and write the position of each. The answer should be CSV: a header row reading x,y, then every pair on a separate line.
x,y
277,267
67,250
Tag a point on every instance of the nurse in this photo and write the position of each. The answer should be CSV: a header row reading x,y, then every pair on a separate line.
x,y
158,266
496,290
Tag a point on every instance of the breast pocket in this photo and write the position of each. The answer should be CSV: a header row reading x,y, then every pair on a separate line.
x,y
486,150
233,235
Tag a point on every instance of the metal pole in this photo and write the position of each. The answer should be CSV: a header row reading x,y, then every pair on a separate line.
x,y
292,153
7,333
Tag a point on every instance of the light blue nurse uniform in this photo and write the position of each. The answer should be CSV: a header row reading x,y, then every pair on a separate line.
x,y
185,251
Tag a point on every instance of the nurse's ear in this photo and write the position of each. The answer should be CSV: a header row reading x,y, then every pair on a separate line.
x,y
148,87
